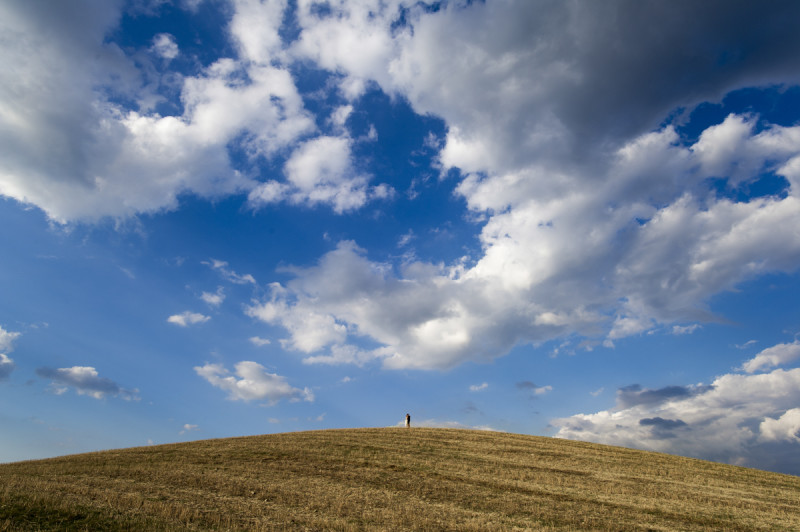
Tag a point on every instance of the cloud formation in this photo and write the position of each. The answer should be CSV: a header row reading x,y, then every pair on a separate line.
x,y
600,216
598,222
320,171
776,355
228,274
745,419
7,365
214,299
184,319
7,339
251,381
86,381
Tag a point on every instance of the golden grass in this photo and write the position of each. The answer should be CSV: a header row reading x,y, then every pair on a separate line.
x,y
391,479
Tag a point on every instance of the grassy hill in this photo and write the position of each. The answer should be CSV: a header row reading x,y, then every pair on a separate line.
x,y
391,479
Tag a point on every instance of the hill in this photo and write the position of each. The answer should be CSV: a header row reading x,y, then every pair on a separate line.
x,y
391,479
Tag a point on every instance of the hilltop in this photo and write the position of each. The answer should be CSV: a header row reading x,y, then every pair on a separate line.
x,y
391,479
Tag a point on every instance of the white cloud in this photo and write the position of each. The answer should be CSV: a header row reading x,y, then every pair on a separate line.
x,y
773,356
164,46
7,340
214,299
592,262
255,26
743,419
478,387
597,225
86,381
188,427
184,319
310,329
785,428
526,102
70,148
253,383
258,341
598,222
354,39
320,171
339,117
7,365
229,275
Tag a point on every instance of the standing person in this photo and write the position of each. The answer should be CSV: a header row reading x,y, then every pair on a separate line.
x,y
408,420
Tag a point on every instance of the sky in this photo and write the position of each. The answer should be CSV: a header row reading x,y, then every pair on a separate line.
x,y
574,219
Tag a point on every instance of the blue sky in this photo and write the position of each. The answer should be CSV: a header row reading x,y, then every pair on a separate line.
x,y
231,217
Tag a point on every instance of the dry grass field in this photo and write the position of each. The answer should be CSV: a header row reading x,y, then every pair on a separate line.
x,y
391,479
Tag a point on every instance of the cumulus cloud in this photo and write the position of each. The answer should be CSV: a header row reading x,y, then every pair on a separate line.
x,y
214,299
512,78
598,223
86,381
478,387
773,356
71,148
251,381
164,46
785,428
743,419
563,123
7,339
320,170
184,319
594,262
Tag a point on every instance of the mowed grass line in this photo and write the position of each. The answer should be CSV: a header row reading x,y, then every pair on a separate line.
x,y
391,479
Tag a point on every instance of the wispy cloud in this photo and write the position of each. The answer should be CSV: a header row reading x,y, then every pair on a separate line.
x,y
686,329
478,387
228,274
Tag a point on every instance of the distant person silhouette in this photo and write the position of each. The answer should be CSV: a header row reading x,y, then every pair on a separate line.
x,y
408,420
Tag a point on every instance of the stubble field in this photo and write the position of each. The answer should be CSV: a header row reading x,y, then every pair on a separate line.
x,y
391,479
